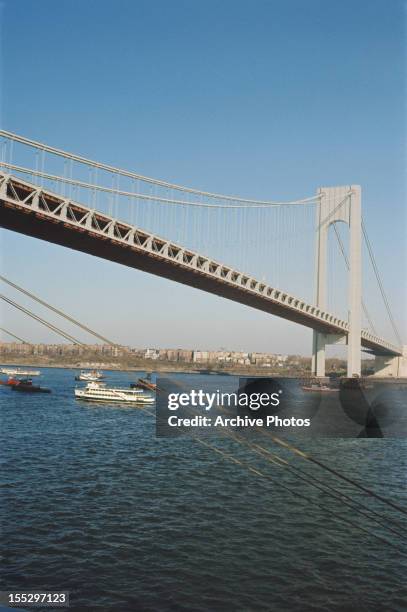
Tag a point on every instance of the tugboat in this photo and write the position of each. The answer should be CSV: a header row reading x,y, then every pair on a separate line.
x,y
144,383
98,392
24,384
12,382
30,388
92,376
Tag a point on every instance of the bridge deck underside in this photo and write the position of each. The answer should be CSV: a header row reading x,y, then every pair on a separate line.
x,y
106,248
19,217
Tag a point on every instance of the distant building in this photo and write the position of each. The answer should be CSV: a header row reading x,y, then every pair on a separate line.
x,y
16,348
88,353
185,356
200,356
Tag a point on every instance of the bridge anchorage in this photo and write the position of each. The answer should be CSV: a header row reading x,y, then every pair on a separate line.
x,y
36,208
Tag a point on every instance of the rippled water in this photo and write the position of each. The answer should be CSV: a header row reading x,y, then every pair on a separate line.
x,y
94,503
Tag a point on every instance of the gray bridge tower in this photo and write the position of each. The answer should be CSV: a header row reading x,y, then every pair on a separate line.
x,y
339,204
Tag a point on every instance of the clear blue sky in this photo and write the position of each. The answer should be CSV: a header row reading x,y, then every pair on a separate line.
x,y
266,99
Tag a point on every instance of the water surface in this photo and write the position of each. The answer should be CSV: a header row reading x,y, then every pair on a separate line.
x,y
94,503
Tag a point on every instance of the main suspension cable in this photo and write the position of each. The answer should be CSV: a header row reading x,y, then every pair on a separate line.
x,y
319,484
40,320
14,336
293,492
298,494
307,456
154,198
133,175
379,281
354,504
313,480
59,312
326,467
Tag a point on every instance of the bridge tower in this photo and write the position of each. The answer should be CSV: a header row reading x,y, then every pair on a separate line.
x,y
339,205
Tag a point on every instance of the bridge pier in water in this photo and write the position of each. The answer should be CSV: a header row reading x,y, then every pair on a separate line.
x,y
339,205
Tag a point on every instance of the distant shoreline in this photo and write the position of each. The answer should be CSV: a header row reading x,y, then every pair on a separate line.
x,y
154,367
64,366
167,368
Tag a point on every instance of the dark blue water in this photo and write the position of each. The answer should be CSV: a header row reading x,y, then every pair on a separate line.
x,y
93,503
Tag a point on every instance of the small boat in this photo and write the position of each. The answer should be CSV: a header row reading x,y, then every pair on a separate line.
x,y
91,376
19,372
144,383
30,388
12,382
316,388
98,392
211,372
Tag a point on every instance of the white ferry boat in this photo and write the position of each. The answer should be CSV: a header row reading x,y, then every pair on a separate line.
x,y
19,372
92,375
98,392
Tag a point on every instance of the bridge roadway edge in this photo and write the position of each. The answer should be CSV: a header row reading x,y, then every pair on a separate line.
x,y
35,224
32,224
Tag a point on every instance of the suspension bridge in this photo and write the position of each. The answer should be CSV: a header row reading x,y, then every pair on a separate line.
x,y
167,230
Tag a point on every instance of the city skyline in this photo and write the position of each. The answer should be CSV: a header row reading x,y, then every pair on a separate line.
x,y
153,353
